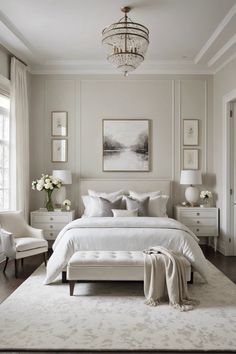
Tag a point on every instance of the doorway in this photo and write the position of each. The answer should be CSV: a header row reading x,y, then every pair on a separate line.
x,y
232,125
227,217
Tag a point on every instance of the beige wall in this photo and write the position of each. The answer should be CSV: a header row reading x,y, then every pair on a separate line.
x,y
224,83
4,63
165,100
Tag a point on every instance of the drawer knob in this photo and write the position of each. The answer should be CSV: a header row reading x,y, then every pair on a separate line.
x,y
198,214
197,230
198,222
51,218
51,234
51,226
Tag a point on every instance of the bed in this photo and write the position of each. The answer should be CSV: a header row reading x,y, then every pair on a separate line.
x,y
122,233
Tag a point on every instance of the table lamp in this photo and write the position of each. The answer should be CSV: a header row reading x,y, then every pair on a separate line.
x,y
66,178
191,177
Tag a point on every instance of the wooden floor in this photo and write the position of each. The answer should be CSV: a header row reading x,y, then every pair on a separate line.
x,y
8,282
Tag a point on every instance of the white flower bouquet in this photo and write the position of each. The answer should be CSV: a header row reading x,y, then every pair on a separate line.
x,y
47,183
205,195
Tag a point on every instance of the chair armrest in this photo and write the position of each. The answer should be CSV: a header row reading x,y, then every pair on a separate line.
x,y
8,244
33,232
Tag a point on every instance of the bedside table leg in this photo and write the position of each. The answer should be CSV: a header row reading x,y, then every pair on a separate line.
x,y
215,243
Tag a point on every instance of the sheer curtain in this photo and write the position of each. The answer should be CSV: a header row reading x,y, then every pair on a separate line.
x,y
19,149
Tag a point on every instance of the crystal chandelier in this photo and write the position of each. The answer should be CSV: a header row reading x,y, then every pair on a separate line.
x,y
126,43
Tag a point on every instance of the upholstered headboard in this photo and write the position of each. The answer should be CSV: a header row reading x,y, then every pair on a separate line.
x,y
139,185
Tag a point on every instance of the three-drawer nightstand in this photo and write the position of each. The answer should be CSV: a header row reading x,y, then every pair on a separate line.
x,y
202,221
51,222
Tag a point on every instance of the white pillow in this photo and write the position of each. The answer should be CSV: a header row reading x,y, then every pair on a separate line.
x,y
124,213
157,206
139,196
109,196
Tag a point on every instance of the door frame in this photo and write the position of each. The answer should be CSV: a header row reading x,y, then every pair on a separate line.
x,y
226,221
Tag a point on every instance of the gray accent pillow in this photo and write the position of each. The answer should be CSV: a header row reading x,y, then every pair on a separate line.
x,y
141,205
98,206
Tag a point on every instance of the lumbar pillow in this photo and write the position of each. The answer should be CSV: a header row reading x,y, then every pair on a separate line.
x,y
109,196
98,206
139,196
141,205
124,213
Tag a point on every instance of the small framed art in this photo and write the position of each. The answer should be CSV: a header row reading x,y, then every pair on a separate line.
x,y
59,150
190,159
190,132
126,145
59,123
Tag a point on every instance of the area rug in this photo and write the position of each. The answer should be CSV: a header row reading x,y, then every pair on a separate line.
x,y
113,316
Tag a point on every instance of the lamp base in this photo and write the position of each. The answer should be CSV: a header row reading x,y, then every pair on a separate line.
x,y
192,195
60,195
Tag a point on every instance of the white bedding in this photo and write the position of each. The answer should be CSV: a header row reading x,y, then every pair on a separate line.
x,y
124,234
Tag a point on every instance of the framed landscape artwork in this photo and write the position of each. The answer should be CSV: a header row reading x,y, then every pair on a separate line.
x,y
190,159
190,132
59,124
126,145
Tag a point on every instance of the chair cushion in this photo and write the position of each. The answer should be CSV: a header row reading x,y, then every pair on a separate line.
x,y
29,243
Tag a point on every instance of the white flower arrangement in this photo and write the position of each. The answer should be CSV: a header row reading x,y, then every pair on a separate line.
x,y
67,202
47,183
205,195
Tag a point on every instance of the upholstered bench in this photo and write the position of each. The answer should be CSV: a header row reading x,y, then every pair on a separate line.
x,y
108,265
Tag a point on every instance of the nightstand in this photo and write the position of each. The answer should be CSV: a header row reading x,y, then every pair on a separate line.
x,y
51,222
202,221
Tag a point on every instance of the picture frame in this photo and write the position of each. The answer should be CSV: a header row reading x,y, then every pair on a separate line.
x,y
191,132
190,159
126,145
59,150
59,123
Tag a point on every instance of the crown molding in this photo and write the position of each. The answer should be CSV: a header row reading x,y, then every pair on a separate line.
x,y
216,33
226,62
222,51
90,67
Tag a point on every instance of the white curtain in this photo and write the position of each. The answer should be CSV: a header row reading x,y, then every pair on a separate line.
x,y
19,148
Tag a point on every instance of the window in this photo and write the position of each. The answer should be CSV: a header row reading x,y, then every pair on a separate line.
x,y
4,152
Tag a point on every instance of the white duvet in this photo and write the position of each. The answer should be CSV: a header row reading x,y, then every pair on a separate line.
x,y
124,234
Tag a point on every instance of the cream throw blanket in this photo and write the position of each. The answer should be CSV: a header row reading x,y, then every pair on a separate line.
x,y
164,271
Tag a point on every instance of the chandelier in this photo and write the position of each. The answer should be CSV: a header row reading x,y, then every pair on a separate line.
x,y
126,43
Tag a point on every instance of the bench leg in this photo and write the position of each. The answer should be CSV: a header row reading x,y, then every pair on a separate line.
x,y
45,258
72,285
63,278
16,269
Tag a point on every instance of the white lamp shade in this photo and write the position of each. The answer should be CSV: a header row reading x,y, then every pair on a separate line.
x,y
191,177
64,175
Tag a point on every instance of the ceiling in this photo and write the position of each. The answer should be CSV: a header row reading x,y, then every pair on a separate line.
x,y
192,36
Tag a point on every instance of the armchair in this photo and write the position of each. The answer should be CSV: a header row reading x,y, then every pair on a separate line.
x,y
20,240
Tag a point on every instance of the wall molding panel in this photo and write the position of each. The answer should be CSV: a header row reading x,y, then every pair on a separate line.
x,y
164,99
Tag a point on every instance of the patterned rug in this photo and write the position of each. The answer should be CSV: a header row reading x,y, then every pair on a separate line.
x,y
113,316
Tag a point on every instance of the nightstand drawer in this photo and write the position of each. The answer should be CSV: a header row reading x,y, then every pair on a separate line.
x,y
51,218
199,221
201,213
204,230
50,235
49,226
